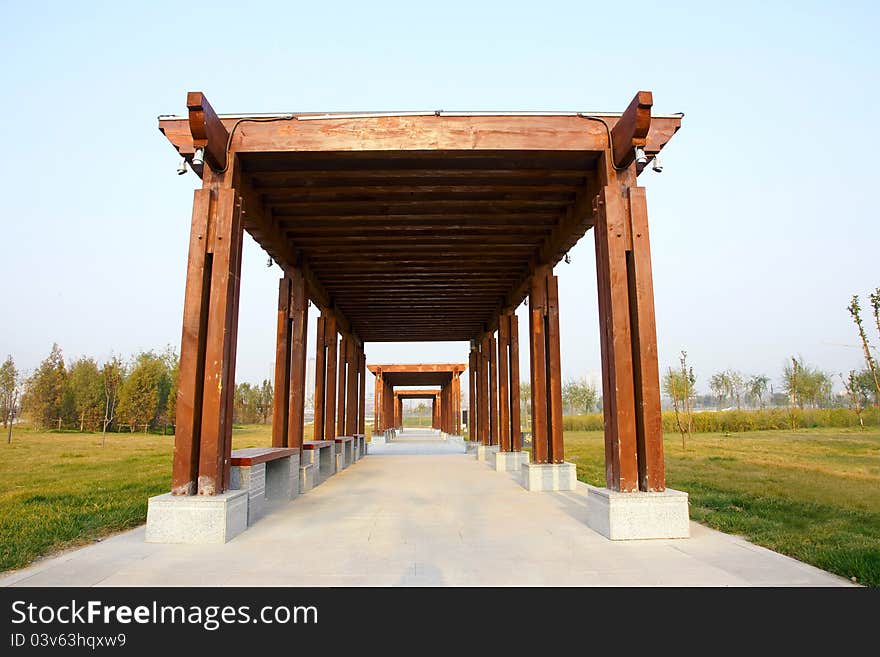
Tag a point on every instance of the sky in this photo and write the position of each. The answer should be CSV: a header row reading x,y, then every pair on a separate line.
x,y
763,222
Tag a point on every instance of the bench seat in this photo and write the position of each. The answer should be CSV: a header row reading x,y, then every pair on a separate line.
x,y
268,474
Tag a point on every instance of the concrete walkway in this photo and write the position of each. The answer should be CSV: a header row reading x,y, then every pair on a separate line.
x,y
437,519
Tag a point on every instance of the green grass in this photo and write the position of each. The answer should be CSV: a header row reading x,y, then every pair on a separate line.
x,y
59,490
813,494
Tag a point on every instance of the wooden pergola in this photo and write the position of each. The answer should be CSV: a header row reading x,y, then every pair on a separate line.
x,y
388,401
400,396
414,227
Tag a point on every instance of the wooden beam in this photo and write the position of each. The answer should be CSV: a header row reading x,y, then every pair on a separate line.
x,y
207,130
632,129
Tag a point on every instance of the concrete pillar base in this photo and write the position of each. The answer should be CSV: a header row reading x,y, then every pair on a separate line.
x,y
252,479
510,461
307,475
378,439
196,519
486,452
549,476
629,516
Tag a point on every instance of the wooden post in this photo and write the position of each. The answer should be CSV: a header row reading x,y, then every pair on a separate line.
x,y
503,383
472,392
493,390
483,389
351,404
332,341
320,377
546,371
377,402
225,242
456,403
281,399
299,318
362,395
342,384
630,371
187,435
515,419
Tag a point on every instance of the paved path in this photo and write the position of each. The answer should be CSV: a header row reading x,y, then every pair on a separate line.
x,y
439,519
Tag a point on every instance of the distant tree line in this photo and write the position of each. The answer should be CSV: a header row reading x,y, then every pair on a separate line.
x,y
135,394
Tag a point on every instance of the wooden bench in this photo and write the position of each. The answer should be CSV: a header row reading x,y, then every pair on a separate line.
x,y
321,453
344,451
268,474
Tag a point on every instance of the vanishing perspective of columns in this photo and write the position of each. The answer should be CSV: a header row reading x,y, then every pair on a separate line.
x,y
370,280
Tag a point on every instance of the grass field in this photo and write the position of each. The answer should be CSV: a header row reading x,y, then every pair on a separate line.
x,y
812,494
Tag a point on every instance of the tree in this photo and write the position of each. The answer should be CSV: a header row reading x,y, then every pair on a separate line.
x,y
86,386
875,305
579,396
139,392
44,395
172,364
737,384
679,386
525,401
856,311
420,409
720,386
112,374
856,395
757,388
9,378
265,398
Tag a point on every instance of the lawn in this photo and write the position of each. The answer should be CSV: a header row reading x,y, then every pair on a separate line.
x,y
59,490
812,494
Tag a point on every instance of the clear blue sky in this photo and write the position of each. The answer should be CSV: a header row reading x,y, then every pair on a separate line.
x,y
764,222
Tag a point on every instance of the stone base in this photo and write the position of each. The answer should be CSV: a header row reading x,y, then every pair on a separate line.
x,y
549,476
471,446
510,461
378,439
307,475
628,516
196,518
252,479
486,452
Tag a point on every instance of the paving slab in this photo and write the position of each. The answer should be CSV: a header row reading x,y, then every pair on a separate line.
x,y
425,517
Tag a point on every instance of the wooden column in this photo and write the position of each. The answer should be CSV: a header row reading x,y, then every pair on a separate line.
x,y
299,317
493,390
320,377
504,384
351,403
203,435
515,419
377,402
362,395
331,340
630,371
281,398
545,368
483,390
342,383
472,392
456,403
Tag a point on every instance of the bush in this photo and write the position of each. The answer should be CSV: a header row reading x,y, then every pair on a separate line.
x,y
739,421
